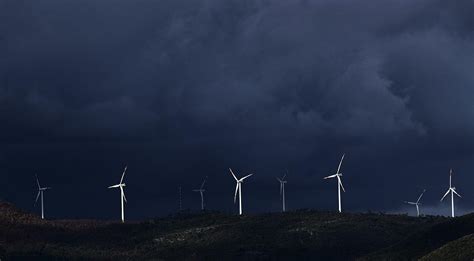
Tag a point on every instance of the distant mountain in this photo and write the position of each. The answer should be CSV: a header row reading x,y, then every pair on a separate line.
x,y
296,235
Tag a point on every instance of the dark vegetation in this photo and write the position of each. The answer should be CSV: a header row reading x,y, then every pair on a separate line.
x,y
302,235
460,249
428,240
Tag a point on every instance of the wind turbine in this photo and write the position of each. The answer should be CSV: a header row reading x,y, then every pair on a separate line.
x,y
282,190
122,194
453,191
238,188
417,203
180,200
338,175
201,191
40,193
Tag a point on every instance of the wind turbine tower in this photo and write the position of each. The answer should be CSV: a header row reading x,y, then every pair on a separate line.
x,y
121,185
180,200
282,191
453,191
40,193
338,175
201,190
238,189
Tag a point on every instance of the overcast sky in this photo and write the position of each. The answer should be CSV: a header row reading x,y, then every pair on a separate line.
x,y
182,89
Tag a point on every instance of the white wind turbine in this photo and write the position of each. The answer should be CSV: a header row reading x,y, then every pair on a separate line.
x,y
122,194
338,175
417,203
453,191
40,193
238,188
201,191
282,190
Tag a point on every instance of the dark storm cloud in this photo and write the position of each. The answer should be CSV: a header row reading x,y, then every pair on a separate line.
x,y
198,86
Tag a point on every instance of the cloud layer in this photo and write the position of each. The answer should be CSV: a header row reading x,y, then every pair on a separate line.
x,y
185,85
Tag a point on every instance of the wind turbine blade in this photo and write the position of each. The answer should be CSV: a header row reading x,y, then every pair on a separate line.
x,y
330,177
447,192
340,183
123,174
37,181
236,190
421,196
450,174
284,176
231,172
123,194
37,197
114,186
411,203
281,188
279,180
204,182
456,193
246,177
340,163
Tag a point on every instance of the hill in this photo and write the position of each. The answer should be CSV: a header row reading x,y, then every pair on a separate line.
x,y
304,234
429,239
10,214
460,249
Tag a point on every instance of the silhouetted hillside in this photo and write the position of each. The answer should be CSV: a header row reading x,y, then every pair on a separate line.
x,y
10,214
460,249
430,239
309,235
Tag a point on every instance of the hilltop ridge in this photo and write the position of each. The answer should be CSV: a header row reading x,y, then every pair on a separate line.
x,y
302,234
11,214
